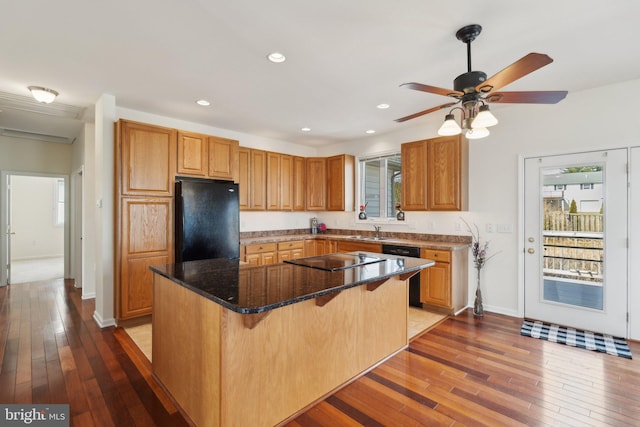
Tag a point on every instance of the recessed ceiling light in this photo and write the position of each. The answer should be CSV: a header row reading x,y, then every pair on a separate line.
x,y
306,129
203,102
370,131
383,106
276,57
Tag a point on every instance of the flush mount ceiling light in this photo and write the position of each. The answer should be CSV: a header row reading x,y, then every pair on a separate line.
x,y
203,102
473,90
276,57
43,94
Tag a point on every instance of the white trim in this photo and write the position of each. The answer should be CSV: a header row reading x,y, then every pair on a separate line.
x,y
103,323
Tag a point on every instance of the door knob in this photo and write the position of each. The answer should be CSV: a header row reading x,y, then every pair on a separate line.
x,y
531,250
531,239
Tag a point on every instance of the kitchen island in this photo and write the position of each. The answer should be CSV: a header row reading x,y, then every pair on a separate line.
x,y
239,345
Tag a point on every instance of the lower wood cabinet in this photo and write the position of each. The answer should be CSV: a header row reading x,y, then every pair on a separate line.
x,y
261,253
347,246
290,250
444,284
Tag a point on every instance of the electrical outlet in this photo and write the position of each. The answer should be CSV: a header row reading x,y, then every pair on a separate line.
x,y
490,228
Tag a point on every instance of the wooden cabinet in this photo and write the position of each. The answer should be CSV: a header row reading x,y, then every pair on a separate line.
x,y
299,184
206,156
444,284
252,173
280,181
340,183
316,187
434,174
222,158
145,239
354,246
145,159
290,250
261,253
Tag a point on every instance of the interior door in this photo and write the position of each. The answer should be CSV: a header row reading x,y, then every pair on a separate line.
x,y
5,220
575,225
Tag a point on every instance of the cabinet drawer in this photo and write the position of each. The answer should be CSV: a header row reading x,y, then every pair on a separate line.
x,y
261,247
287,246
436,255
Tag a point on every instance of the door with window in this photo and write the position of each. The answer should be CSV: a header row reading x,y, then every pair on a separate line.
x,y
575,225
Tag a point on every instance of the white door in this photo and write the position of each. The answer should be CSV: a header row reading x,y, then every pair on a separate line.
x,y
575,225
5,219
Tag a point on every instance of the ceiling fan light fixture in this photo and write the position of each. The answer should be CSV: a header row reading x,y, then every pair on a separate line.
x,y
43,94
484,119
450,126
477,133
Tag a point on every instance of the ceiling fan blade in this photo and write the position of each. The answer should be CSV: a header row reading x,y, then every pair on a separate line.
x,y
422,113
525,65
432,89
534,97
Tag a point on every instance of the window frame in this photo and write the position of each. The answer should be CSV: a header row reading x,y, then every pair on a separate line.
x,y
386,190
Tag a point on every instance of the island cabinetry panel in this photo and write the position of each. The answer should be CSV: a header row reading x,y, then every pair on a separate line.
x,y
146,239
261,253
434,174
351,246
316,187
145,159
281,365
340,183
444,285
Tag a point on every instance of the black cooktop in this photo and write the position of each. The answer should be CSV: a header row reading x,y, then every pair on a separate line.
x,y
335,262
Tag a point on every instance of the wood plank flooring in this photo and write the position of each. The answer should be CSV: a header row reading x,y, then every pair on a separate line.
x,y
463,372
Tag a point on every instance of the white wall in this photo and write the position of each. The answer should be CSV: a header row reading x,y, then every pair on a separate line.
x,y
33,205
26,155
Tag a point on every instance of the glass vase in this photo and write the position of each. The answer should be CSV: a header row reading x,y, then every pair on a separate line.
x,y
478,310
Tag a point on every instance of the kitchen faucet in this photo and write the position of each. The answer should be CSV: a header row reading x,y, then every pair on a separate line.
x,y
377,228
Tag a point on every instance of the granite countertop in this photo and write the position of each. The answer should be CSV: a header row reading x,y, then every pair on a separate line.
x,y
256,289
363,238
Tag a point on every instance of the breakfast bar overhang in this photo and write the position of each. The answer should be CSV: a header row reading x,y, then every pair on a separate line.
x,y
239,345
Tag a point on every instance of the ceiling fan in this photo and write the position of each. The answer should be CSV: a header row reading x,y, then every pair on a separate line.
x,y
473,91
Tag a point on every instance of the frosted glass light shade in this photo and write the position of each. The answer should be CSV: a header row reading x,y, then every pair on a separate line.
x,y
449,127
42,94
484,119
477,133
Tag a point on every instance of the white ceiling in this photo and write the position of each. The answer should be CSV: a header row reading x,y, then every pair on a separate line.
x,y
343,57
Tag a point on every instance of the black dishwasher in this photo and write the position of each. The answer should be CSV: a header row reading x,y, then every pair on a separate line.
x,y
414,281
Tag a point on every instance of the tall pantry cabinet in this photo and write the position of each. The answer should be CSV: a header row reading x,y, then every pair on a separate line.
x,y
144,173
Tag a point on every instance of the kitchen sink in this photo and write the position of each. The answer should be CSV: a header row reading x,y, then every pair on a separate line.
x,y
358,237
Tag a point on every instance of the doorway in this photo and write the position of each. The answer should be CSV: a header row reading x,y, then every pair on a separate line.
x,y
35,220
575,236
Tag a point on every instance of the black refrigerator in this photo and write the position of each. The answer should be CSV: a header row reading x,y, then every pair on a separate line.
x,y
207,219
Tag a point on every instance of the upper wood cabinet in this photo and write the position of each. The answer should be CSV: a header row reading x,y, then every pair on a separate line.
x,y
299,182
252,167
280,181
145,159
207,156
340,183
316,187
434,174
223,158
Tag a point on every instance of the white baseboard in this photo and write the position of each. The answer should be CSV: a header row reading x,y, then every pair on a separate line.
x,y
103,323
89,295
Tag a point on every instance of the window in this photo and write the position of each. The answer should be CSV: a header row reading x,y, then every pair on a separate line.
x,y
560,187
58,215
380,185
588,186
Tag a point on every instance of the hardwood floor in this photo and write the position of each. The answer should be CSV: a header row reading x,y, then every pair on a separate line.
x,y
463,372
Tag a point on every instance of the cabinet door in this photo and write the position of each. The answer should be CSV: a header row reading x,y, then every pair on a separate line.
x,y
346,246
146,239
145,159
340,183
444,174
286,182
299,184
316,188
435,285
414,176
192,154
223,158
273,181
244,181
257,177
